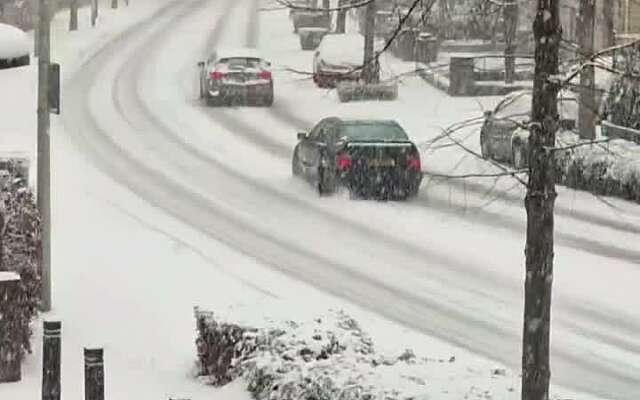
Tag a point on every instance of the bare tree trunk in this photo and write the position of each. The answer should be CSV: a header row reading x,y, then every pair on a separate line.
x,y
341,21
510,32
608,24
94,12
370,70
73,17
587,107
539,204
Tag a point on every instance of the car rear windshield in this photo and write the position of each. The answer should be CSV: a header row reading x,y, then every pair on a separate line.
x,y
241,62
374,132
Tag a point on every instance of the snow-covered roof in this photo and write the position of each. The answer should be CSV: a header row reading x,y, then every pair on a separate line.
x,y
241,52
8,276
342,49
14,42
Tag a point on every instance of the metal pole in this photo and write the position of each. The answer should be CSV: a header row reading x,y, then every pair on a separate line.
x,y
43,175
51,357
93,374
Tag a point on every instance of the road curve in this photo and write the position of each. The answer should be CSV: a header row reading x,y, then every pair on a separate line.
x,y
154,161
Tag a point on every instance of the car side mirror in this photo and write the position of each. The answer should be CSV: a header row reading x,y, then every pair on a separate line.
x,y
201,64
302,135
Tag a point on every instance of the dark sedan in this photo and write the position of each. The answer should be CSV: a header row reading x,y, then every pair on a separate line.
x,y
371,158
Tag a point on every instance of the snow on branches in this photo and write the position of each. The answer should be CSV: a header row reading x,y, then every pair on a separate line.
x,y
325,357
19,246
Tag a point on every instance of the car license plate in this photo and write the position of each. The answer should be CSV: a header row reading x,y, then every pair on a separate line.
x,y
382,162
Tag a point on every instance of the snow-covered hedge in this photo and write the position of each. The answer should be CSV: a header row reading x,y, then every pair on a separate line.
x,y
326,358
608,169
20,245
355,91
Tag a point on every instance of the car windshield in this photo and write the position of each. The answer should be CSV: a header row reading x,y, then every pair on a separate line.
x,y
373,131
241,62
521,106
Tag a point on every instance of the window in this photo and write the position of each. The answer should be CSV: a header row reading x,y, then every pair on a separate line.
x,y
242,62
364,131
317,132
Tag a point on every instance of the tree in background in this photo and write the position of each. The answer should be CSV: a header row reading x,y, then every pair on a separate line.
x,y
510,11
608,24
587,108
341,19
370,73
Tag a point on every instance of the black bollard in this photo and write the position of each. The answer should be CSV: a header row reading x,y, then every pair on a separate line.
x,y
93,374
51,346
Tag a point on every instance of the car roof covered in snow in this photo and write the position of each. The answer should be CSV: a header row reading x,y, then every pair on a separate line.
x,y
240,52
369,122
344,49
14,42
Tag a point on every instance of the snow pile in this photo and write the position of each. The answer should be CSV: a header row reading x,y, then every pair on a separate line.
x,y
14,43
609,169
328,357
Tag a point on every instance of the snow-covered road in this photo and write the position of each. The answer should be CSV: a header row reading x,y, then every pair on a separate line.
x,y
133,111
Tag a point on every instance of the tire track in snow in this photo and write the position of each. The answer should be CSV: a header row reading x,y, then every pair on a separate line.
x,y
288,117
161,189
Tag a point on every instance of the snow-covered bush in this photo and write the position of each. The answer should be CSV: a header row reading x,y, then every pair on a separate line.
x,y
610,169
324,358
355,91
20,246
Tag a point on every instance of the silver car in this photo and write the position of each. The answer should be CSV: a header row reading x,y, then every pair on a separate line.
x,y
504,137
238,76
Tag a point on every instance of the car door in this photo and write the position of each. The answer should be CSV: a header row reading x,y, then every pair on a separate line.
x,y
505,122
317,147
307,149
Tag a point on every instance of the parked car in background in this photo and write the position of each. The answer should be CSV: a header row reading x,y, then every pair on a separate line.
x,y
339,57
371,158
504,137
15,47
236,76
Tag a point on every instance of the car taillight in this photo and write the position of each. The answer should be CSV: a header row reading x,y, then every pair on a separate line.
x,y
216,75
413,162
343,161
264,75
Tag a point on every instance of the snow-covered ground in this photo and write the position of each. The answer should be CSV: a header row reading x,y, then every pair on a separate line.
x,y
189,206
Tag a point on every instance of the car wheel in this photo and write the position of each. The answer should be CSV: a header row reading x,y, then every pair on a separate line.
x,y
296,168
268,100
326,182
317,80
212,101
485,148
518,156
